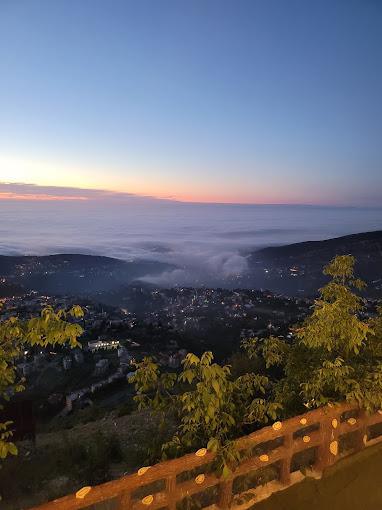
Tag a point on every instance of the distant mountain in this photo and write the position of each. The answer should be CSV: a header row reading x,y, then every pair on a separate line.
x,y
72,273
297,268
294,269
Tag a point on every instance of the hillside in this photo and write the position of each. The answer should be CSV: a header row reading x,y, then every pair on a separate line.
x,y
72,273
57,463
297,268
294,269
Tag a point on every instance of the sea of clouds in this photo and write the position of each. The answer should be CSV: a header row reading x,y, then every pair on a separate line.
x,y
206,242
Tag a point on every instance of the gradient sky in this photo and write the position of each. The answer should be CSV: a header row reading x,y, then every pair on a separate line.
x,y
258,101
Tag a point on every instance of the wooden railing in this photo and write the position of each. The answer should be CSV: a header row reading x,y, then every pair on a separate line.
x,y
322,432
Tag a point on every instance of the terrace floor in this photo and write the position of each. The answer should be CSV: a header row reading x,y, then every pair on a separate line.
x,y
354,483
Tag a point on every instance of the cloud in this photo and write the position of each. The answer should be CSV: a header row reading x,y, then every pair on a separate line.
x,y
241,234
209,270
207,243
35,192
200,263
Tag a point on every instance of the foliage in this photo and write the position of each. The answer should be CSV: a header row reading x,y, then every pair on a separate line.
x,y
153,393
338,354
50,328
90,460
213,409
152,388
241,364
334,325
271,350
54,468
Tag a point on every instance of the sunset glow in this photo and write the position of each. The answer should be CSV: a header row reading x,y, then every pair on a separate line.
x,y
185,187
41,196
165,102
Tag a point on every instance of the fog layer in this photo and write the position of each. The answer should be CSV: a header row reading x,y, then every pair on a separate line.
x,y
207,242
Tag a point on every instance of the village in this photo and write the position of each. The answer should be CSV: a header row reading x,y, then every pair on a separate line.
x,y
172,323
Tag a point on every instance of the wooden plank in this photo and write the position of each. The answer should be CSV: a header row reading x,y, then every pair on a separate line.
x,y
374,419
159,500
190,487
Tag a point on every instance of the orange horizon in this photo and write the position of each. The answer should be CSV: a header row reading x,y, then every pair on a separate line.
x,y
38,198
8,197
47,193
176,197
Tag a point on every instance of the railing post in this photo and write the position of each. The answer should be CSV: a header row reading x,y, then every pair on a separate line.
x,y
170,491
328,449
362,430
286,462
225,494
124,501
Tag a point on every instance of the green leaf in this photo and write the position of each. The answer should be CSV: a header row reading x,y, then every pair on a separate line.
x,y
216,386
12,448
226,471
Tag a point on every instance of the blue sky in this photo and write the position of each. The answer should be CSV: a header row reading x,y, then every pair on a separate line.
x,y
253,101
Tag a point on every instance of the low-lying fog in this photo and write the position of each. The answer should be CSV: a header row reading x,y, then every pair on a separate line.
x,y
205,241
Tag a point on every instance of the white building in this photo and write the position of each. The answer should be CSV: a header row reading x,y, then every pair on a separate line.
x,y
103,344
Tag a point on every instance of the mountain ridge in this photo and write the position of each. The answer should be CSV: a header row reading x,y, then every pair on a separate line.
x,y
324,243
74,273
292,269
297,268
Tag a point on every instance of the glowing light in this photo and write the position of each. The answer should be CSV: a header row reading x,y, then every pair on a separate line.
x,y
83,492
39,197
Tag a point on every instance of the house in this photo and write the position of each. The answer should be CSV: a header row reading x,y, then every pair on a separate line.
x,y
101,367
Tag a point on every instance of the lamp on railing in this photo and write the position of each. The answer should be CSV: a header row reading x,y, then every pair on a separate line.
x,y
326,428
83,492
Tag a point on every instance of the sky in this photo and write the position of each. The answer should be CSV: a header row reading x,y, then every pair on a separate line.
x,y
258,101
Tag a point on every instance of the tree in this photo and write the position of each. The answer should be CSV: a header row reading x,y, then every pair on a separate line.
x,y
50,328
213,408
337,355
